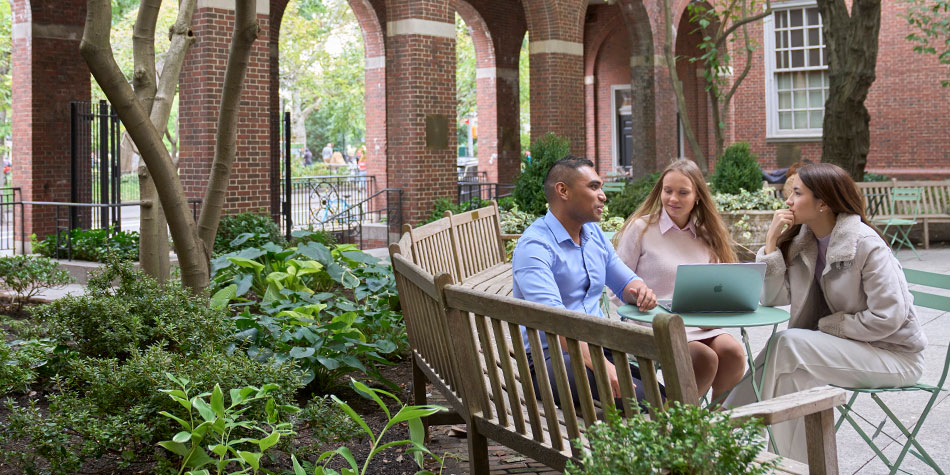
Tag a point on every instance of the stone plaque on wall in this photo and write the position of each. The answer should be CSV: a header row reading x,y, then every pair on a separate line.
x,y
787,154
437,131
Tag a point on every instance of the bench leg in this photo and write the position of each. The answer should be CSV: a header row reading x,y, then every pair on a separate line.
x,y
926,234
821,442
477,451
419,391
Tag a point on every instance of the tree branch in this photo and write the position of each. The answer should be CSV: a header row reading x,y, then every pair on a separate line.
x,y
246,30
143,52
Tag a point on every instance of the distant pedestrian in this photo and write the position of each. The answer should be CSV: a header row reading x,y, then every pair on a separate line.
x,y
307,157
327,152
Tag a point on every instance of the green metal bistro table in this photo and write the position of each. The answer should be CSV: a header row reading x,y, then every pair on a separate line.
x,y
761,317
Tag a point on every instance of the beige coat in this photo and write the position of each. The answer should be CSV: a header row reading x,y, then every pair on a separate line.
x,y
865,292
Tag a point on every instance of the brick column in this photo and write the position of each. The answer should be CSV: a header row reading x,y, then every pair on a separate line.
x,y
48,73
557,69
374,77
202,79
420,103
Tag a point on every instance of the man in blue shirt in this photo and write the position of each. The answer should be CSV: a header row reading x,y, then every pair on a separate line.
x,y
564,260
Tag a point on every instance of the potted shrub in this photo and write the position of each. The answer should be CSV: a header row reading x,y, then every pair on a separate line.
x,y
683,439
745,206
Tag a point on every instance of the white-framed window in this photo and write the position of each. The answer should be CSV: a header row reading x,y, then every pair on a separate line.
x,y
796,71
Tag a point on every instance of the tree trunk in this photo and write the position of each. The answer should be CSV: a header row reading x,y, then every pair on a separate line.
x,y
698,154
852,58
246,30
96,49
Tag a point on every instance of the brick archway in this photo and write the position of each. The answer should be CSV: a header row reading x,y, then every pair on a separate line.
x,y
649,81
690,73
485,80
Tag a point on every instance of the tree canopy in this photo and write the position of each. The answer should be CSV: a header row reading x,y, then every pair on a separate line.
x,y
931,35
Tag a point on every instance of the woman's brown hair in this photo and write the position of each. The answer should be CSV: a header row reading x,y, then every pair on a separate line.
x,y
831,184
706,220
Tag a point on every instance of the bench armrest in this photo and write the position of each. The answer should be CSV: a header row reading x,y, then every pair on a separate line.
x,y
791,406
509,237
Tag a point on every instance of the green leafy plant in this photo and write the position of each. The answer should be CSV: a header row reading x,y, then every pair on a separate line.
x,y
624,204
411,415
764,199
224,429
92,245
19,361
874,177
737,169
684,438
243,230
327,423
27,276
529,190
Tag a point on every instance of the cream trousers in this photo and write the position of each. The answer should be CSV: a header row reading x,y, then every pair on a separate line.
x,y
802,359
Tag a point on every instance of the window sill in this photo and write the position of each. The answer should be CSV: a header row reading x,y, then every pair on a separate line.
x,y
793,139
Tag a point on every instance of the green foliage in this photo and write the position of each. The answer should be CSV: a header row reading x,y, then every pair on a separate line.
x,y
737,170
333,311
930,21
137,313
633,195
327,423
93,245
26,276
410,415
682,439
764,199
529,191
465,86
220,426
242,230
442,205
19,362
875,177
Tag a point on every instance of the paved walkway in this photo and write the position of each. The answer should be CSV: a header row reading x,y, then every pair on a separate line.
x,y
854,456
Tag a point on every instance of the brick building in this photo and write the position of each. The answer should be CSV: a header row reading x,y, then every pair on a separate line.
x,y
597,76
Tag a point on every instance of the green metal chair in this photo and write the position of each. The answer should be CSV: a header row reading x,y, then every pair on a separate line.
x,y
903,201
921,299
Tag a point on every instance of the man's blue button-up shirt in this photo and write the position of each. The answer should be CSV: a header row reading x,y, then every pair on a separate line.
x,y
550,268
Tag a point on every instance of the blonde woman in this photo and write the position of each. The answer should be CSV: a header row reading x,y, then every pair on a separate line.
x,y
678,224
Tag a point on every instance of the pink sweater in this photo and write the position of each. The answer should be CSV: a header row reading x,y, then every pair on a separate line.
x,y
655,256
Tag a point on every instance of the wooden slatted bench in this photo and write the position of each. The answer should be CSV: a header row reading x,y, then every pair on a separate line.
x,y
934,205
459,338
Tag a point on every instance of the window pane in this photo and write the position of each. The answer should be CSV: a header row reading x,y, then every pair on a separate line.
x,y
779,56
814,57
784,82
784,39
784,100
812,14
815,119
801,120
800,102
798,58
781,19
795,18
815,99
798,39
785,120
814,80
814,37
824,56
799,80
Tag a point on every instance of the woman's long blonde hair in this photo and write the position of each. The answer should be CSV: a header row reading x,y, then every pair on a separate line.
x,y
706,220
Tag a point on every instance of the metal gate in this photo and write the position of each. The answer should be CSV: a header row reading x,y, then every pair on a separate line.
x,y
95,165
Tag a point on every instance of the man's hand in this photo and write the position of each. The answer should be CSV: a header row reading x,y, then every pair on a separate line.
x,y
614,382
637,293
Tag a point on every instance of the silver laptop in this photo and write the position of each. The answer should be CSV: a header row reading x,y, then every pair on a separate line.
x,y
709,288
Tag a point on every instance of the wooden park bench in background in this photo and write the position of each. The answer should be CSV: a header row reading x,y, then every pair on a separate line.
x,y
934,203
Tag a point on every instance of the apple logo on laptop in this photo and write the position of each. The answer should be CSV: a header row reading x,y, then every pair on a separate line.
x,y
717,288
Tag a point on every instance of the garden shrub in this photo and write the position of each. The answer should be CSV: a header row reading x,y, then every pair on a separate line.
x,y
93,245
764,199
113,347
327,422
26,276
624,204
442,205
253,229
19,361
874,177
737,169
685,438
529,190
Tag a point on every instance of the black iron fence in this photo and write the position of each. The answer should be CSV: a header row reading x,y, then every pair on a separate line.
x,y
483,191
11,212
95,164
314,200
375,221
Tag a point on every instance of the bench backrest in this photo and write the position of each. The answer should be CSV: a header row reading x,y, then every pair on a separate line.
x,y
498,386
476,237
431,248
935,196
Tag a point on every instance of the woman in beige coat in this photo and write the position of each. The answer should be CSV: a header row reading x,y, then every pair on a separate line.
x,y
852,317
